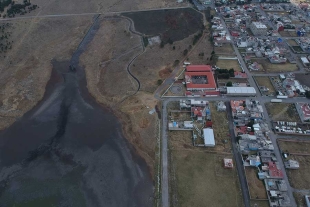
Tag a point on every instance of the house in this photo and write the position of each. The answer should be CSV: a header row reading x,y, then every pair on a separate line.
x,y
304,111
208,137
307,197
221,106
291,164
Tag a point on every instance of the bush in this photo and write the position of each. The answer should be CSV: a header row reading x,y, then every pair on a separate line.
x,y
229,84
176,62
159,82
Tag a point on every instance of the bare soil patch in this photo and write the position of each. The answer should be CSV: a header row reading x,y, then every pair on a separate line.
x,y
283,112
292,42
26,68
169,24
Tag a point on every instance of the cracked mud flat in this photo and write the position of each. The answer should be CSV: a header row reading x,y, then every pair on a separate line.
x,y
70,151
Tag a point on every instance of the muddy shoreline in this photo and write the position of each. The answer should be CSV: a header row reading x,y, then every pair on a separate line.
x,y
70,151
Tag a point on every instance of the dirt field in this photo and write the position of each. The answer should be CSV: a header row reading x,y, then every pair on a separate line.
x,y
303,79
169,24
26,68
198,174
105,62
265,81
226,49
228,64
282,112
256,186
299,179
274,68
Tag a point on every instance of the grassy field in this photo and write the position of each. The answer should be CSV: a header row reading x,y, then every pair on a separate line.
x,y
226,49
204,47
221,131
256,186
228,64
169,24
282,112
292,42
288,34
300,199
256,203
199,176
274,68
265,81
300,178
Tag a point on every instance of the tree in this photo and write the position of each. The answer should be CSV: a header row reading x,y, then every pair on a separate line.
x,y
170,41
229,84
173,47
176,62
185,52
308,94
162,44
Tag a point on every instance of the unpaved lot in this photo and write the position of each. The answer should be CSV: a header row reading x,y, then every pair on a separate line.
x,y
256,186
282,112
226,49
303,79
265,81
269,67
299,178
198,177
26,67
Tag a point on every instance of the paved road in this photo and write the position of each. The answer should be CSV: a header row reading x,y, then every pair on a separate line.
x,y
238,159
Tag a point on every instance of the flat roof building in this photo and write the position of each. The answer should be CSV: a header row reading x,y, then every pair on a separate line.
x,y
258,29
208,137
241,91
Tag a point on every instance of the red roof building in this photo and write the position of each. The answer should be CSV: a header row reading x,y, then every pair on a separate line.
x,y
198,68
200,77
274,170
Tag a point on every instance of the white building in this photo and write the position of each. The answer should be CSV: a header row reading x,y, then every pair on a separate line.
x,y
258,29
208,137
241,91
